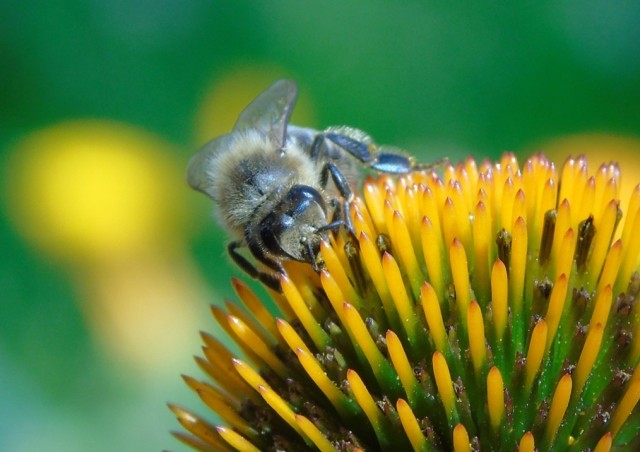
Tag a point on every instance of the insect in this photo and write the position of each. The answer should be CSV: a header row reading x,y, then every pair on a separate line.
x,y
270,181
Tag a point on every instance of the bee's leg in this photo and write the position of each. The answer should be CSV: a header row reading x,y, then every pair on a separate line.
x,y
317,146
336,221
380,158
331,226
267,279
343,188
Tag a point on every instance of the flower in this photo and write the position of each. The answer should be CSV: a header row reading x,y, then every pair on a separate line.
x,y
491,308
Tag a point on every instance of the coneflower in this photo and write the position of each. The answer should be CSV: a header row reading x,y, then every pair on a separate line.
x,y
491,308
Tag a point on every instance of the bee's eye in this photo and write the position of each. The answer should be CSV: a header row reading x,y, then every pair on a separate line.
x,y
300,198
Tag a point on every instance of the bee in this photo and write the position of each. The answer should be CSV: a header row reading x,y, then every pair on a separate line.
x,y
270,181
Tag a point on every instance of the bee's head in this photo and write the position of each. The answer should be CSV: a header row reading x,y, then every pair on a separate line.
x,y
291,230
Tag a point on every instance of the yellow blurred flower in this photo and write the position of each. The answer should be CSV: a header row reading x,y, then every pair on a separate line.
x,y
94,190
491,308
107,200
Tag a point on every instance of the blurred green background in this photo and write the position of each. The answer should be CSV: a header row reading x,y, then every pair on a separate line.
x,y
108,261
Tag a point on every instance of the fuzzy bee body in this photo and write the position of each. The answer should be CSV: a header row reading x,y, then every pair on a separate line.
x,y
270,181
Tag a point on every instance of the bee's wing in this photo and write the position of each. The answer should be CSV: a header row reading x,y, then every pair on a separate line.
x,y
201,170
269,112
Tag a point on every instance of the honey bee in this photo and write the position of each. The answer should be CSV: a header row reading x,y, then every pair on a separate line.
x,y
270,181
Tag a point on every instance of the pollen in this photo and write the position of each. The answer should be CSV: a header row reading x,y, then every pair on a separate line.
x,y
490,306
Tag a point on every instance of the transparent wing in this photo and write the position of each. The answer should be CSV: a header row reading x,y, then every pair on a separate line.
x,y
269,112
201,171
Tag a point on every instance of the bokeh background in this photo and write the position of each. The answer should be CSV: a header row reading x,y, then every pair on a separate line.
x,y
108,262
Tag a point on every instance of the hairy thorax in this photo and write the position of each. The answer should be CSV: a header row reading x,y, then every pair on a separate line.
x,y
251,180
